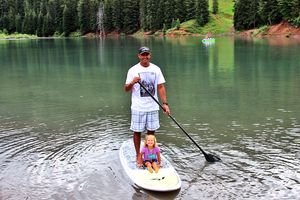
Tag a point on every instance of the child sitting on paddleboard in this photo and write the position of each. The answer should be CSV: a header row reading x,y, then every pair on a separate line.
x,y
150,154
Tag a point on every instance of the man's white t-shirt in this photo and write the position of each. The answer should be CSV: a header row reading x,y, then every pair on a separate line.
x,y
150,76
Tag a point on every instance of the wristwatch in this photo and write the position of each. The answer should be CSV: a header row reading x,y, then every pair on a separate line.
x,y
165,103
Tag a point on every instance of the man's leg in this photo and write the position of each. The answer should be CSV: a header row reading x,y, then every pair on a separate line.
x,y
152,122
150,132
137,144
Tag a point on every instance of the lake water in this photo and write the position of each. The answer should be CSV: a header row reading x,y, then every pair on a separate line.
x,y
64,115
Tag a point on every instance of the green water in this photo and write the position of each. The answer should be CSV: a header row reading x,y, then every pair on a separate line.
x,y
64,115
232,79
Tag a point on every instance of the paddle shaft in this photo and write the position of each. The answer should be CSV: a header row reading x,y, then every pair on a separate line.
x,y
172,118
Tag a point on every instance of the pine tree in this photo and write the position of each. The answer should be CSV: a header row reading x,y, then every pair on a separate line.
x,y
151,15
19,7
159,17
215,7
118,15
12,21
55,10
246,15
177,24
238,18
40,19
169,13
4,20
66,20
30,22
93,9
290,9
40,22
107,17
48,25
69,23
18,23
83,15
190,8
143,14
33,22
268,12
131,16
179,10
202,13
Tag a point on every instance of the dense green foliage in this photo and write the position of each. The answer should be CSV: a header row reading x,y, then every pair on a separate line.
x,y
53,17
255,13
63,17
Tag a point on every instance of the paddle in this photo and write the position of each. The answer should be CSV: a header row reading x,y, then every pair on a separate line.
x,y
209,157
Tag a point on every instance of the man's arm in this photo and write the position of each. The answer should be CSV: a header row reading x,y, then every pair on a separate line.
x,y
163,96
128,87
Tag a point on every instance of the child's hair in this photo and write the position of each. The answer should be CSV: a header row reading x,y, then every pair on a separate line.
x,y
145,141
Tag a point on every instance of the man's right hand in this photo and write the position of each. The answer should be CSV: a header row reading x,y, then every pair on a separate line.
x,y
135,80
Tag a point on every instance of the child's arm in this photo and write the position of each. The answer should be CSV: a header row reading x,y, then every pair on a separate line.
x,y
158,158
141,156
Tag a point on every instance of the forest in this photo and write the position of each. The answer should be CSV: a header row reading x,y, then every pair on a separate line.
x,y
62,17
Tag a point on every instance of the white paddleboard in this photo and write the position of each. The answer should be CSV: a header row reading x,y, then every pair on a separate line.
x,y
167,179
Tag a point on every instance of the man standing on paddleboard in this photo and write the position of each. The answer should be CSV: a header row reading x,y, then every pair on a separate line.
x,y
144,110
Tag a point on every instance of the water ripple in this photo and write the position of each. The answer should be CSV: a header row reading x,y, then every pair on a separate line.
x,y
73,163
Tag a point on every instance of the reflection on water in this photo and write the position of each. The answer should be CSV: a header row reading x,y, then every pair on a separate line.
x,y
64,115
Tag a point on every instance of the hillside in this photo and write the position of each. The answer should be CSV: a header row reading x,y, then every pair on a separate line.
x,y
222,24
281,29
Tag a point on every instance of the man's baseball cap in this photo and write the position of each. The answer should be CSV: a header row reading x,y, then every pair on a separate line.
x,y
144,50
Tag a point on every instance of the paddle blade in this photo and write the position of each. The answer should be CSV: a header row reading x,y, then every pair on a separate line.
x,y
212,158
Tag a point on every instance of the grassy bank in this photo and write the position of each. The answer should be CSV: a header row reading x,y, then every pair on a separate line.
x,y
16,36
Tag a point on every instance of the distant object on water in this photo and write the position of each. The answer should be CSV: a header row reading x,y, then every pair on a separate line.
x,y
208,41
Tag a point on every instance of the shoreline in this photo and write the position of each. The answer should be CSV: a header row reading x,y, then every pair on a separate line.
x,y
247,34
281,30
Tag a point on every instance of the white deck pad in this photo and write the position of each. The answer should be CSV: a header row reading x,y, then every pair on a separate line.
x,y
165,180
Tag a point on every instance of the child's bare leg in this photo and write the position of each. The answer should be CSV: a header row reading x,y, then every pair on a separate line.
x,y
148,165
155,167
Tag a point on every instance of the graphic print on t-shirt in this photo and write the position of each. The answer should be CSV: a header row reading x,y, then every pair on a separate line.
x,y
148,80
152,156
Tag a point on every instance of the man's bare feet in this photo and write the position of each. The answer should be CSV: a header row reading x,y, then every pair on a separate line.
x,y
139,162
